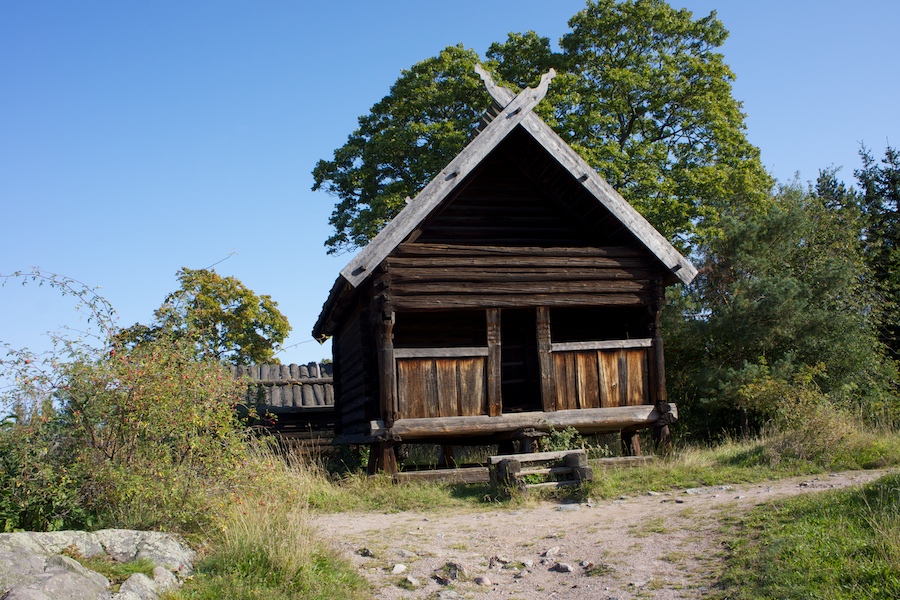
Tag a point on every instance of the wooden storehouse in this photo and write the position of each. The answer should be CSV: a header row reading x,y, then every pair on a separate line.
x,y
517,292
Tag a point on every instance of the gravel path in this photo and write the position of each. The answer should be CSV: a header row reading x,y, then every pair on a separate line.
x,y
651,546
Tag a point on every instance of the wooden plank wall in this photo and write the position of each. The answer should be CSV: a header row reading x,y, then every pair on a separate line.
x,y
442,387
441,276
601,378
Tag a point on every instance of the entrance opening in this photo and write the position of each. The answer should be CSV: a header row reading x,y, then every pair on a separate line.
x,y
520,373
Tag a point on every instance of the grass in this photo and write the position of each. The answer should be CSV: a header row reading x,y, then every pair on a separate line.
x,y
734,462
264,547
843,544
116,572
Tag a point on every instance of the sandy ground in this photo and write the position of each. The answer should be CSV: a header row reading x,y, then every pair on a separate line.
x,y
650,546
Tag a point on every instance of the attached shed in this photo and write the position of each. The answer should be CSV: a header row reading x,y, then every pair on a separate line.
x,y
293,401
517,292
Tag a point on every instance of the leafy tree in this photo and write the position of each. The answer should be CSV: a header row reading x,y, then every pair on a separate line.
x,y
880,184
641,94
782,296
226,320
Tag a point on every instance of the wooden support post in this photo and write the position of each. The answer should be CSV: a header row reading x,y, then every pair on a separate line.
x,y
545,359
386,369
631,443
505,477
382,458
447,459
494,364
579,465
658,351
662,438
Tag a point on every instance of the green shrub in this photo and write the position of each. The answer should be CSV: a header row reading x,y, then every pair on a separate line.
x,y
128,438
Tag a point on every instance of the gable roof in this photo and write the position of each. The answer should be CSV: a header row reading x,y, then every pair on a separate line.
x,y
516,111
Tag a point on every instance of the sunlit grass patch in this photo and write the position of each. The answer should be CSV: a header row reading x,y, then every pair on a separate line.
x,y
843,544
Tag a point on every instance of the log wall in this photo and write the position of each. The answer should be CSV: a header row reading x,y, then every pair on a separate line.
x,y
440,276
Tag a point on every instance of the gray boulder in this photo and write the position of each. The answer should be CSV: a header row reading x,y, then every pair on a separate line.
x,y
33,566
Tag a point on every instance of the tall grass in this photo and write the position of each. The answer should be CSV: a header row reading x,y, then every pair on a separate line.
x,y
263,545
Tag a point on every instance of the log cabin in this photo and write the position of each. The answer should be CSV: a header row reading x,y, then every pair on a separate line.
x,y
518,291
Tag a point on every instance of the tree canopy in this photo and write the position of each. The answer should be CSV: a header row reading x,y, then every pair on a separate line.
x,y
880,201
641,93
784,295
225,319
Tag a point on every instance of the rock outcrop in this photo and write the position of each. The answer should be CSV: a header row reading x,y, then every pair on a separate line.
x,y
43,566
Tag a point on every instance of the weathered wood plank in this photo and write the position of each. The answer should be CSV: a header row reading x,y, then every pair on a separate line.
x,y
452,301
422,249
472,392
591,420
386,369
610,395
551,484
545,359
491,261
448,404
601,345
601,286
461,475
482,274
562,380
637,377
587,367
494,364
533,456
440,352
416,388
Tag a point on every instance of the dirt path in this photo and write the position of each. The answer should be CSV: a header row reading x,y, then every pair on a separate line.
x,y
652,546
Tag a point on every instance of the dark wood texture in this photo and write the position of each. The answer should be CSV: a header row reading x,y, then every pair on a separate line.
x,y
442,276
494,364
547,371
441,387
601,379
597,420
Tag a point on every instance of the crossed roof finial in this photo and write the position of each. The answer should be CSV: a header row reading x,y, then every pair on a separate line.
x,y
503,96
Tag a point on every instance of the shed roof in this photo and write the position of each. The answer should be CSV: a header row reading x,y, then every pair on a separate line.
x,y
517,112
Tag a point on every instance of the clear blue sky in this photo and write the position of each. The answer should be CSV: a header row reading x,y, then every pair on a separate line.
x,y
140,137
